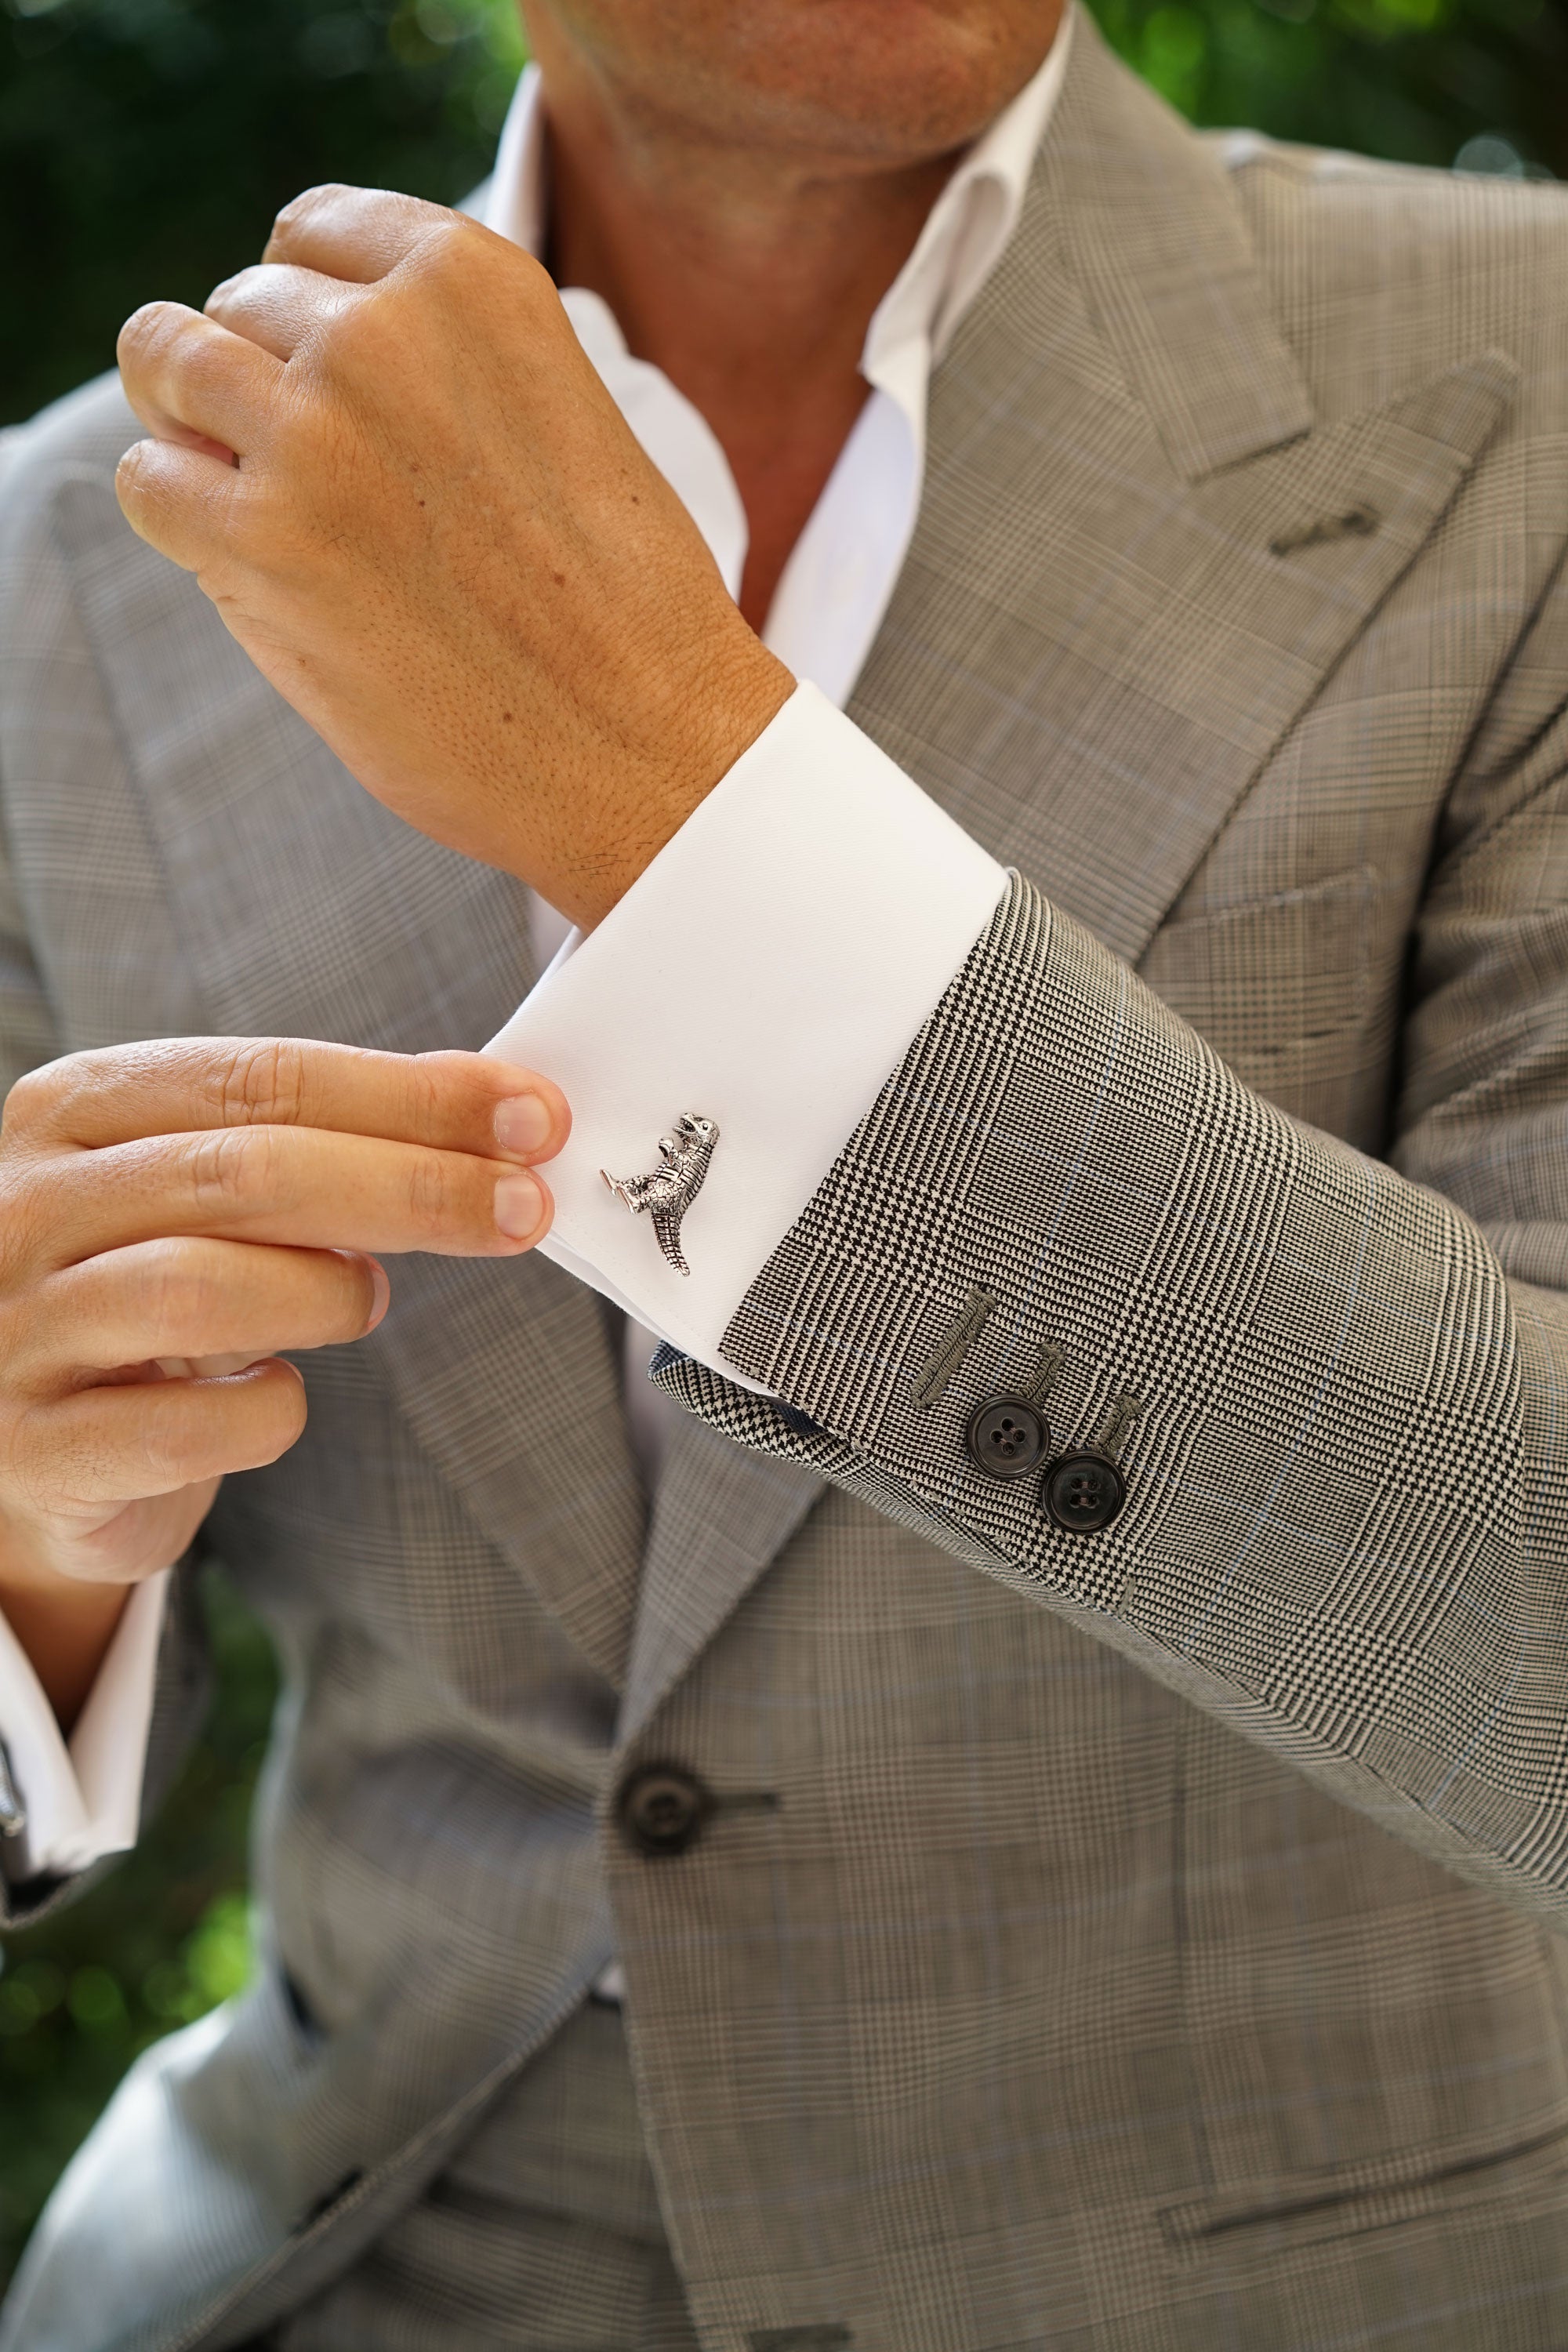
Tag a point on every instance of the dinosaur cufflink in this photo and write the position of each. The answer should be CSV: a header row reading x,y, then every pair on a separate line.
x,y
673,1185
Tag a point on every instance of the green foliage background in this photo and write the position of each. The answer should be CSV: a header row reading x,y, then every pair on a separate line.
x,y
145,146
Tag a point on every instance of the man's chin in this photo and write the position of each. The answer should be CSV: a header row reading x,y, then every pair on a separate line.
x,y
899,80
882,81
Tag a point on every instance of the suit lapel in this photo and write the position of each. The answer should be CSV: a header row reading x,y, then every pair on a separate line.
x,y
720,1515
306,909
1094,644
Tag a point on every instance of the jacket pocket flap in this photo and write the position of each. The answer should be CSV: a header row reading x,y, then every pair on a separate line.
x,y
1397,2187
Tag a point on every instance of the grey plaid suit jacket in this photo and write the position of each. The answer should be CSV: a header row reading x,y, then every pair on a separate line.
x,y
1148,1939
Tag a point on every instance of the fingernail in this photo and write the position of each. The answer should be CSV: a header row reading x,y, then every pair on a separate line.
x,y
523,1123
519,1207
381,1293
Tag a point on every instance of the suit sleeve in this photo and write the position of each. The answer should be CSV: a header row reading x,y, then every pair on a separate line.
x,y
1336,1386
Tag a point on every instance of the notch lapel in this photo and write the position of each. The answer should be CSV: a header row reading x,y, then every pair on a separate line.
x,y
1094,646
304,909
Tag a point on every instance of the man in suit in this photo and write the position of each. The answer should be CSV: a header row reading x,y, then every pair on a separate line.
x,y
1032,647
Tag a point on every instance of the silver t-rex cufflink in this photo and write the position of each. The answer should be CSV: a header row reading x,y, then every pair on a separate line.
x,y
669,1191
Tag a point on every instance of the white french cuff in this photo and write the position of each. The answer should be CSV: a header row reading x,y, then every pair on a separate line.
x,y
766,972
85,1800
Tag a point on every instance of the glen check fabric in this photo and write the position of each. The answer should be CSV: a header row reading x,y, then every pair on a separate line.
x,y
1137,1947
1348,1513
544,2235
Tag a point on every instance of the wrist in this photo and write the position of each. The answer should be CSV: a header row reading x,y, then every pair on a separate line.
x,y
63,1623
740,692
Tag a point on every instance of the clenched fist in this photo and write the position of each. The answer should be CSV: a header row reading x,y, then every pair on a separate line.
x,y
173,1214
390,465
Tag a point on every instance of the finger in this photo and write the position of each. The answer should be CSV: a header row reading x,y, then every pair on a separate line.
x,y
359,234
180,500
136,1540
177,1299
184,373
454,1102
108,1446
277,306
296,1187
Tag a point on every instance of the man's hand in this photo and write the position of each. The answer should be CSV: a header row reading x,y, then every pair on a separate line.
x,y
172,1214
439,539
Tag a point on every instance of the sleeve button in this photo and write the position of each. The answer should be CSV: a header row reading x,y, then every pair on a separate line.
x,y
1083,1493
1007,1437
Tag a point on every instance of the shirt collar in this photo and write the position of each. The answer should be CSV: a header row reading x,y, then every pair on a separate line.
x,y
971,224
965,233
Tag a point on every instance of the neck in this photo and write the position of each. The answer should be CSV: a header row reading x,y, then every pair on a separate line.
x,y
747,274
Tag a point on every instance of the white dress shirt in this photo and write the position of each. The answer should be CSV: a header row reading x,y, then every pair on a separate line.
x,y
815,904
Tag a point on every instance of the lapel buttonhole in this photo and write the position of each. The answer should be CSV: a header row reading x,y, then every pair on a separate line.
x,y
1357,523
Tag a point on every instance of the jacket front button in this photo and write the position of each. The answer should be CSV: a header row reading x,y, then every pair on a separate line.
x,y
1007,1437
662,1809
1083,1493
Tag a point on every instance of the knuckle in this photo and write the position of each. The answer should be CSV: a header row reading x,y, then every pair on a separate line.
x,y
227,1169
308,202
309,420
28,1102
447,238
163,1451
432,1207
149,330
232,292
432,1084
176,347
364,332
169,1290
260,1081
42,1096
442,264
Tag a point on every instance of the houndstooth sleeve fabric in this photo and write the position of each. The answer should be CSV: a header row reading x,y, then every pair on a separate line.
x,y
1346,1519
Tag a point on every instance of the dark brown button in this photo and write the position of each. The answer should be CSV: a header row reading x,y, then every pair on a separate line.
x,y
1083,1493
662,1809
1007,1436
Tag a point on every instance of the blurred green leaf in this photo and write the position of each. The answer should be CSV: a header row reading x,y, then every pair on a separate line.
x,y
158,1942
145,145
218,1957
